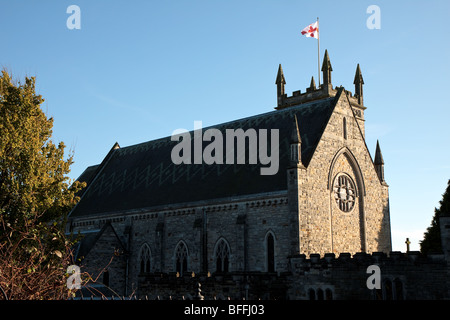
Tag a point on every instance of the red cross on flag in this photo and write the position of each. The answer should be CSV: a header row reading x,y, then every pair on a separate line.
x,y
312,31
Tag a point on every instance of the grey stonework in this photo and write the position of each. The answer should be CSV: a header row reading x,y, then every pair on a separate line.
x,y
293,242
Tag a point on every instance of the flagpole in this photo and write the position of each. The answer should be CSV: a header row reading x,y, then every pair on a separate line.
x,y
318,49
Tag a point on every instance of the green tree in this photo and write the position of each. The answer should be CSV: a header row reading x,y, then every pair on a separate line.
x,y
432,237
35,196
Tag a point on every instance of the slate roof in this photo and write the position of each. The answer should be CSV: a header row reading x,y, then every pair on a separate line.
x,y
144,176
87,176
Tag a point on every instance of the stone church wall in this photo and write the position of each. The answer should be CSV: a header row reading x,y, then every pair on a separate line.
x,y
325,228
244,225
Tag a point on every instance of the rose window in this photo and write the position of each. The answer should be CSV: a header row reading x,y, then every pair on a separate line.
x,y
344,193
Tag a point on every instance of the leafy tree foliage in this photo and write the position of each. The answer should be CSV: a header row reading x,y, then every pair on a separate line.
x,y
35,196
432,237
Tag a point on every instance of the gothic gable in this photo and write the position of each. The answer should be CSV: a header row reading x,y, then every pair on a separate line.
x,y
350,203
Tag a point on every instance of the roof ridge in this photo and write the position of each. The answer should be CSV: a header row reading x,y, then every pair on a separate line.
x,y
215,126
128,176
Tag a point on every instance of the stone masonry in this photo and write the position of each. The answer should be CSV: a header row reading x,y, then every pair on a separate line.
x,y
310,231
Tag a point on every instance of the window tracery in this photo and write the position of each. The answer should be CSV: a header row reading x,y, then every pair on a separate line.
x,y
344,192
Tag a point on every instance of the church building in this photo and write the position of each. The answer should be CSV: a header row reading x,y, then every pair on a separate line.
x,y
141,213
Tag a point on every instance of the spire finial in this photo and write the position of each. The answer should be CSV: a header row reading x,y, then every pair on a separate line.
x,y
296,146
280,76
326,69
295,134
312,86
378,156
379,164
358,76
358,82
280,81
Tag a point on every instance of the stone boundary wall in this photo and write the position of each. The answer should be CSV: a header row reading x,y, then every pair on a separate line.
x,y
404,276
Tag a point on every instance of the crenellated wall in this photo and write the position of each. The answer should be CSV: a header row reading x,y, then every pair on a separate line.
x,y
403,276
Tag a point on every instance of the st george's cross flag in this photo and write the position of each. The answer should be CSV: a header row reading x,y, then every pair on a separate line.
x,y
312,31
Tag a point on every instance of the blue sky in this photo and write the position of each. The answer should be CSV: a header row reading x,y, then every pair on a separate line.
x,y
137,70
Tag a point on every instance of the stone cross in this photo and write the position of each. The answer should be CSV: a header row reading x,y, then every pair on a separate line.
x,y
407,244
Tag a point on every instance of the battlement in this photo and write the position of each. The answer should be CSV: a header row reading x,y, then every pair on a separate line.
x,y
298,97
402,276
324,90
313,94
329,260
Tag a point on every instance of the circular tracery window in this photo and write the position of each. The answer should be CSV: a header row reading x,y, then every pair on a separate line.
x,y
344,193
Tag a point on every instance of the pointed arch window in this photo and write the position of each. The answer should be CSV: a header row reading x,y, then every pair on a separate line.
x,y
144,258
270,254
388,289
312,294
398,289
181,258
320,295
222,255
328,294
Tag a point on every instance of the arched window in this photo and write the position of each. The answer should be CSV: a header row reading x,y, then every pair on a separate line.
x,y
312,294
388,289
328,294
270,252
222,255
144,258
398,289
181,258
320,294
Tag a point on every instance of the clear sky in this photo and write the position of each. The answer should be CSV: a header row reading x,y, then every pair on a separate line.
x,y
137,70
